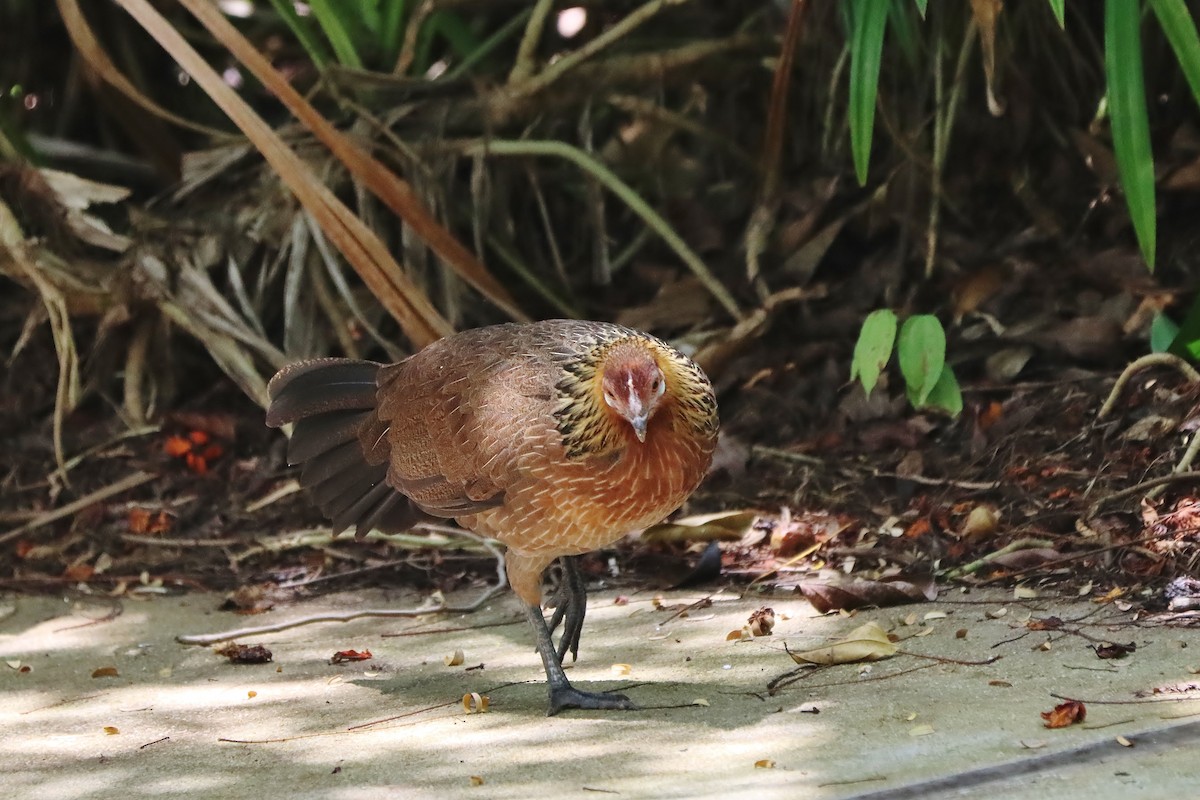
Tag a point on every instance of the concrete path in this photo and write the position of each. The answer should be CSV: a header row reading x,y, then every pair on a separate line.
x,y
932,721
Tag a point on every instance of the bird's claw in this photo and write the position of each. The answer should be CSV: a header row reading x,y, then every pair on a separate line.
x,y
567,696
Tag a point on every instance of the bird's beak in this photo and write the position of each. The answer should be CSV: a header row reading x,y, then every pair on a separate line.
x,y
638,421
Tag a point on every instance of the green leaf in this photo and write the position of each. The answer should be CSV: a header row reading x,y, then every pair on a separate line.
x,y
395,19
921,4
336,21
868,19
1186,343
873,349
1180,29
1163,331
368,16
1060,13
311,43
1127,110
922,351
905,33
945,395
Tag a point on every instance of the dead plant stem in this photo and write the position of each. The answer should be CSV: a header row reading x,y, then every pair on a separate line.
x,y
623,191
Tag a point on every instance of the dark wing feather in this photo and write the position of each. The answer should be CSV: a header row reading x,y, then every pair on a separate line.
x,y
330,401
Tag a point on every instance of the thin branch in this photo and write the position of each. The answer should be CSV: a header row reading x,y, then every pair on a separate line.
x,y
434,607
123,485
1151,360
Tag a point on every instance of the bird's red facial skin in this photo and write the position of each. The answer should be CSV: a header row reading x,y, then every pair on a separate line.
x,y
633,388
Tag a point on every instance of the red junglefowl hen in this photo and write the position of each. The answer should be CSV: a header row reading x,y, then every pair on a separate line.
x,y
556,438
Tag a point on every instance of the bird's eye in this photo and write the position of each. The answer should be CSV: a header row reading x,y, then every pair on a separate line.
x,y
659,386
609,399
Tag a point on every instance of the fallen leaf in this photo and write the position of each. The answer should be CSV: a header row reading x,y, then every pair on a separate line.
x,y
728,526
982,521
79,572
245,653
455,659
852,593
111,730
867,642
251,694
1025,559
621,670
105,672
476,780
921,730
764,763
1113,650
1044,624
700,701
475,703
1121,740
351,655
762,622
1064,714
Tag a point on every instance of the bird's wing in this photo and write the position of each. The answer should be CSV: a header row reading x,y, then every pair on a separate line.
x,y
456,420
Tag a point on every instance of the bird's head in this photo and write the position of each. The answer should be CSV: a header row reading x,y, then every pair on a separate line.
x,y
633,385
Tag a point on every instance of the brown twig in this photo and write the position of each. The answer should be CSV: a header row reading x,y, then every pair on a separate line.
x,y
123,485
980,563
437,606
1150,360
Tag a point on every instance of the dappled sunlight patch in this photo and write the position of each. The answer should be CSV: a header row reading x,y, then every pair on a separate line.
x,y
78,630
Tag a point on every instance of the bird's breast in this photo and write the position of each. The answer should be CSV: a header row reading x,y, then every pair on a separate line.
x,y
567,506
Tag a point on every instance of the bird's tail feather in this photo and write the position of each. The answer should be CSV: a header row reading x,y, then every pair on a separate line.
x,y
329,401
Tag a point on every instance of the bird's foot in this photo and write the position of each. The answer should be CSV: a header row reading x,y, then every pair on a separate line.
x,y
567,696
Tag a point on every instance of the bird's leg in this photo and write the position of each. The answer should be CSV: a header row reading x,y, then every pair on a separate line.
x,y
562,693
570,607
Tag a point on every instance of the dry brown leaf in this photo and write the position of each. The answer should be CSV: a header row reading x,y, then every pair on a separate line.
x,y
867,642
475,703
844,594
1064,714
762,622
342,656
986,12
454,659
982,521
1113,649
729,526
105,672
407,303
245,653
